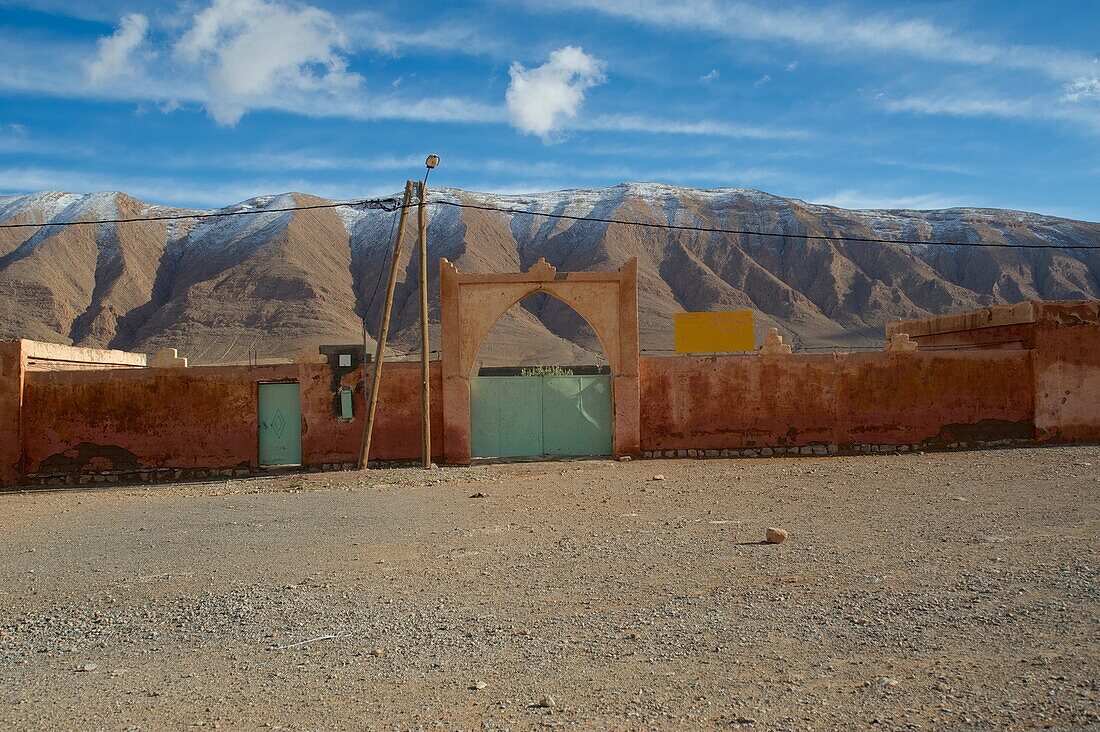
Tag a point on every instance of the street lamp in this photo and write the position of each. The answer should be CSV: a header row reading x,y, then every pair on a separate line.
x,y
430,164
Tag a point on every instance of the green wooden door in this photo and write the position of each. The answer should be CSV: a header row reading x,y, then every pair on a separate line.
x,y
531,416
280,424
576,415
505,416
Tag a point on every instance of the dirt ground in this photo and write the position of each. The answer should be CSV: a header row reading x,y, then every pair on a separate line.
x,y
938,591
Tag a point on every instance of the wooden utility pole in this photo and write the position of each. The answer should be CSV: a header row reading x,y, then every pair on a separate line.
x,y
380,348
425,352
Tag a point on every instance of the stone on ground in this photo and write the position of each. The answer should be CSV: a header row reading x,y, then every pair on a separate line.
x,y
775,536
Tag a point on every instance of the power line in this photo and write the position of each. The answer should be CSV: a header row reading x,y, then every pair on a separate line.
x,y
391,204
744,232
384,204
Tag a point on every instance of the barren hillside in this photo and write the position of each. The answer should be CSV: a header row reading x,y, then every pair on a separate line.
x,y
273,282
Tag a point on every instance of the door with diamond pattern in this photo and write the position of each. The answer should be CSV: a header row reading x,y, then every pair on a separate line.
x,y
280,424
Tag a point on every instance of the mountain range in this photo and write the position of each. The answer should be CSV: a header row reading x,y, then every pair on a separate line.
x,y
267,284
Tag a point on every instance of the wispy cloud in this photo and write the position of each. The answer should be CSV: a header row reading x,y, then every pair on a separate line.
x,y
865,200
377,31
57,68
643,123
856,199
546,172
836,30
395,107
933,167
843,33
15,138
1082,89
962,105
18,139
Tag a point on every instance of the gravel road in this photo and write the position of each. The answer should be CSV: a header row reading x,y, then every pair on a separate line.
x,y
937,591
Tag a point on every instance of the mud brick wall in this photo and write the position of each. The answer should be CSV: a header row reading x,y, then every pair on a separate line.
x,y
1067,372
206,417
842,400
11,399
175,422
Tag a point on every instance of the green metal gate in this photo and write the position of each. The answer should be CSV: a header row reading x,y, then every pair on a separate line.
x,y
280,424
532,416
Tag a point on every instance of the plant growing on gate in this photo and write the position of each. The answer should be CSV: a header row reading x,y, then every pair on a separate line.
x,y
546,371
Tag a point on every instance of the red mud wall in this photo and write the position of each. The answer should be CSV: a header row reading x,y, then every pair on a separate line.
x,y
738,402
205,417
11,395
1067,372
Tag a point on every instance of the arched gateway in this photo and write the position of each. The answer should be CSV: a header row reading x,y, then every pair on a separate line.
x,y
472,303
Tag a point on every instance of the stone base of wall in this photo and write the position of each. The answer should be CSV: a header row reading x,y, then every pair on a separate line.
x,y
821,450
177,475
167,475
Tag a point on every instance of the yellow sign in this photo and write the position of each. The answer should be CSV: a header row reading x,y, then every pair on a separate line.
x,y
714,332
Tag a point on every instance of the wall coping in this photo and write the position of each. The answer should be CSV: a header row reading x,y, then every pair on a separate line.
x,y
991,317
59,353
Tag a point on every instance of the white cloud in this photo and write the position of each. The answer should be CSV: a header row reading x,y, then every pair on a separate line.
x,y
18,139
712,75
960,106
931,166
252,50
856,199
969,105
1083,88
377,30
640,123
541,98
114,56
30,68
765,79
427,109
792,65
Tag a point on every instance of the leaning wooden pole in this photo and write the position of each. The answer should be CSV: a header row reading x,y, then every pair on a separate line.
x,y
425,350
384,330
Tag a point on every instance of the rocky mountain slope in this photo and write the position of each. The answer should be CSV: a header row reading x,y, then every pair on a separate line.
x,y
220,289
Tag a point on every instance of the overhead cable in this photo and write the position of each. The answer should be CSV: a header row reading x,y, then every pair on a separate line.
x,y
392,204
744,232
384,204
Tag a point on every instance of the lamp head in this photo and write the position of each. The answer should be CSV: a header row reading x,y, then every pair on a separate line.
x,y
432,161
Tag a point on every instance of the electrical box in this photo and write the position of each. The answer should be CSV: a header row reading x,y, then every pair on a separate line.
x,y
345,359
345,402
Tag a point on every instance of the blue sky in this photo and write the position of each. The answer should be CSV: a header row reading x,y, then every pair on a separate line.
x,y
858,104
